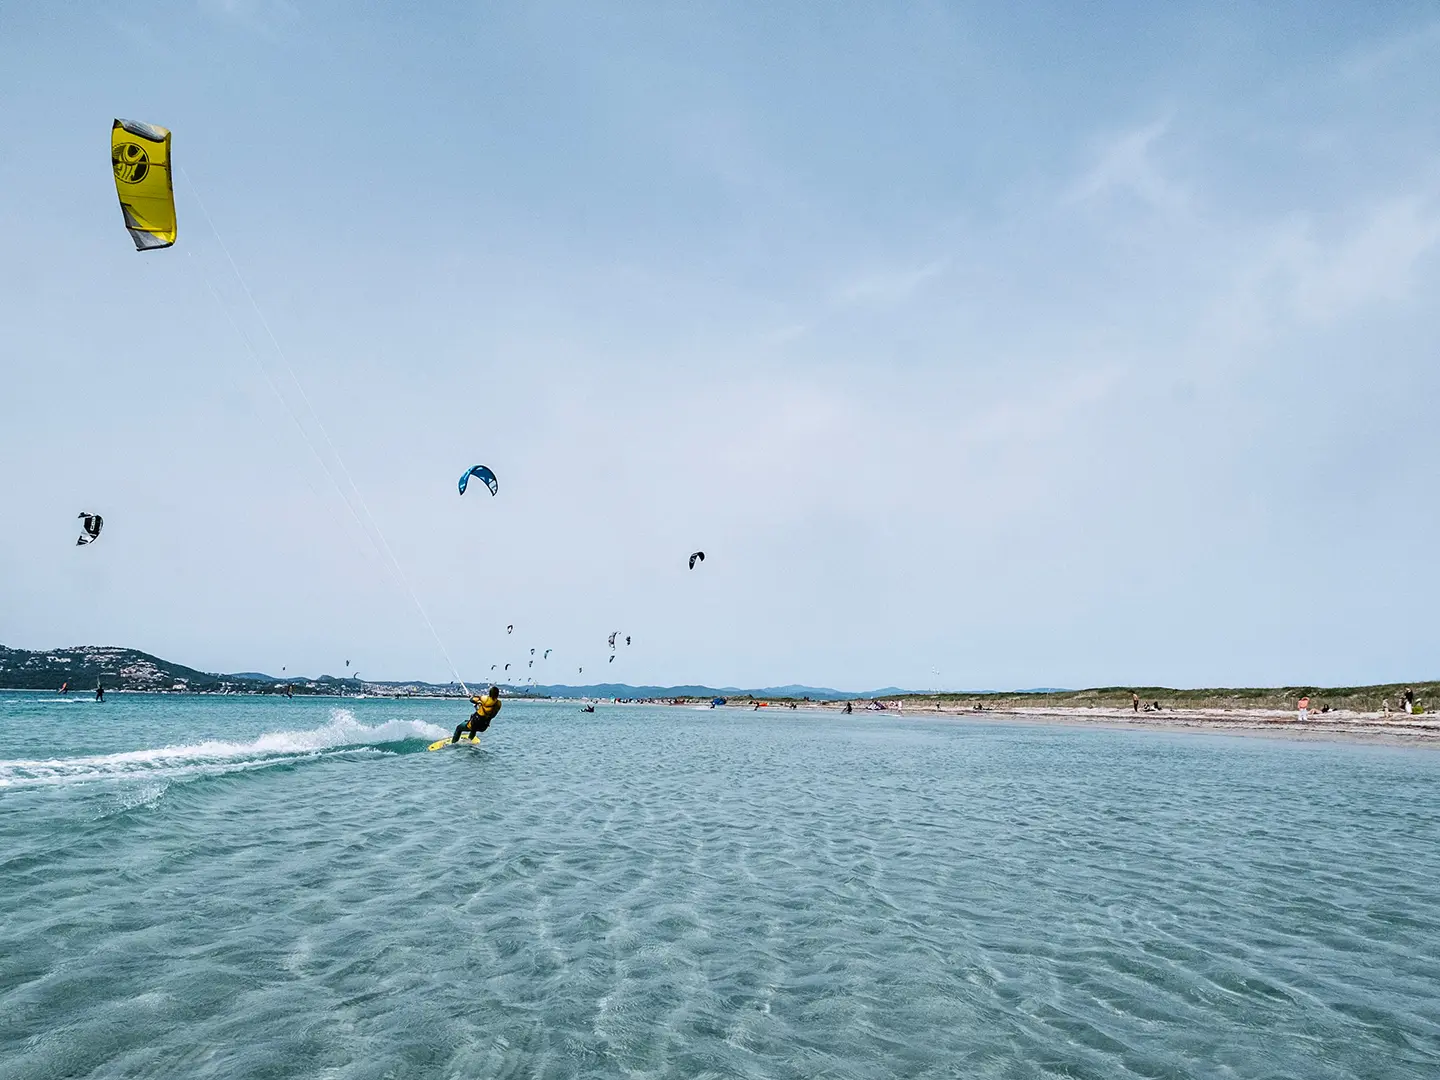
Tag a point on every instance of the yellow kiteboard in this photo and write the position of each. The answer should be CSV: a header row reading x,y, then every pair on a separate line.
x,y
466,739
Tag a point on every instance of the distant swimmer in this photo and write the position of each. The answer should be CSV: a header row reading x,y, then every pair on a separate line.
x,y
485,709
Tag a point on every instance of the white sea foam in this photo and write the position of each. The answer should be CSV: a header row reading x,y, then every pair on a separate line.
x,y
343,734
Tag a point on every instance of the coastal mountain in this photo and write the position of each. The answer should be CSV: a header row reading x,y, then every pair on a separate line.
x,y
85,666
625,690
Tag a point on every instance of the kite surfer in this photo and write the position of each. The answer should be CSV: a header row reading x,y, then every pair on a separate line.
x,y
485,709
99,691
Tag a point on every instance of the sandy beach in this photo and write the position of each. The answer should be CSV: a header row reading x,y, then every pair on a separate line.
x,y
1337,724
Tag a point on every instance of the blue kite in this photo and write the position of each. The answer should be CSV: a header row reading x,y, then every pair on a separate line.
x,y
484,473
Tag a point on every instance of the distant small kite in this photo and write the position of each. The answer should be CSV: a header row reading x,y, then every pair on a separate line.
x,y
90,524
698,556
612,658
510,629
482,472
547,654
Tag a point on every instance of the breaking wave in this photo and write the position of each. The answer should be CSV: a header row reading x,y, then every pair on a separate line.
x,y
342,735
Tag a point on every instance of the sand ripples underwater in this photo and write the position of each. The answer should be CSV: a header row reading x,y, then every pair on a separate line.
x,y
206,887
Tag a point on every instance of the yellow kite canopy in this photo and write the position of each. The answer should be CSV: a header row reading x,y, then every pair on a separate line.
x,y
141,156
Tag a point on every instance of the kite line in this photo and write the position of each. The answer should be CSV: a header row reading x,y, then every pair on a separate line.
x,y
383,547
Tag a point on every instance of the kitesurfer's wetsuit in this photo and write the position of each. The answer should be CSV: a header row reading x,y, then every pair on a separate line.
x,y
485,709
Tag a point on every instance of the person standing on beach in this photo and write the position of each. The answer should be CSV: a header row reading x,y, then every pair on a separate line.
x,y
1409,700
1134,701
1303,708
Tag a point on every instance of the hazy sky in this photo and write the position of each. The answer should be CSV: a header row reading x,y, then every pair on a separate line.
x,y
978,345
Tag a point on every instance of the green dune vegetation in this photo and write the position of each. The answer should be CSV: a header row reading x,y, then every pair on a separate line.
x,y
1365,699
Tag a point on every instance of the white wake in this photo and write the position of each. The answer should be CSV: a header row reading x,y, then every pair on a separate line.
x,y
343,734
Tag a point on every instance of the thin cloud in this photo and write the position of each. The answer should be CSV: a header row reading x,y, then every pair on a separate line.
x,y
1288,274
887,287
262,16
1127,164
1378,57
138,34
1375,264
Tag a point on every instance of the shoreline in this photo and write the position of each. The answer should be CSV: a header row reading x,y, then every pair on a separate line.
x,y
1338,725
1341,725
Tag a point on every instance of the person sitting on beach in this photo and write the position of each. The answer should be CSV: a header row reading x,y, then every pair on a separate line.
x,y
485,709
1303,709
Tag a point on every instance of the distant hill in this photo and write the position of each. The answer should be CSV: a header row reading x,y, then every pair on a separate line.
x,y
83,666
625,690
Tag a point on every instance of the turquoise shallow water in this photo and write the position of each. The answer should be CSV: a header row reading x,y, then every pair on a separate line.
x,y
241,887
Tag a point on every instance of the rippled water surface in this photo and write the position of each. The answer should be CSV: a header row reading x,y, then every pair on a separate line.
x,y
207,887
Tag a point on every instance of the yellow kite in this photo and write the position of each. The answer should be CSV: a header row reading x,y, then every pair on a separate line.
x,y
141,156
